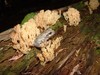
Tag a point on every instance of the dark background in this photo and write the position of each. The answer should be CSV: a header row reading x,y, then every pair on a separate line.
x,y
13,11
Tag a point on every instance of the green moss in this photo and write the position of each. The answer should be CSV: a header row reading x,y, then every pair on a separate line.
x,y
90,24
6,54
8,72
96,39
11,73
97,50
84,28
23,63
56,26
79,5
27,17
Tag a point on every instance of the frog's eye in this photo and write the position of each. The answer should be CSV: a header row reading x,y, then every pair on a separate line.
x,y
50,33
43,37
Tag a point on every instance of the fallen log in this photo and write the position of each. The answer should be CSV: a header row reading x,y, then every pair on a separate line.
x,y
77,54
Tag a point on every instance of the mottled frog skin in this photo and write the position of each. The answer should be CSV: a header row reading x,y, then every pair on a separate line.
x,y
43,37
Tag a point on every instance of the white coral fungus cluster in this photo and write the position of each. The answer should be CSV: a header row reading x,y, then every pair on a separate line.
x,y
92,5
46,18
72,16
48,51
23,37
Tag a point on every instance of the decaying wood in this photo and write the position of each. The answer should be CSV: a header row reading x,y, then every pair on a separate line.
x,y
75,56
5,35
